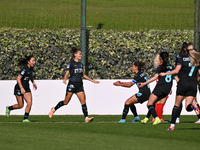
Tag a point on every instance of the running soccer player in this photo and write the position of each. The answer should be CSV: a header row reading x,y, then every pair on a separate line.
x,y
22,91
75,85
162,88
140,97
187,69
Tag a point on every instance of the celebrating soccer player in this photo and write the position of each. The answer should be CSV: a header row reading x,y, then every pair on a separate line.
x,y
140,97
162,88
75,85
187,69
22,90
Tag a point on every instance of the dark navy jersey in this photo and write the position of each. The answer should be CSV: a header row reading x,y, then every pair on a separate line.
x,y
141,77
187,70
27,74
76,71
164,80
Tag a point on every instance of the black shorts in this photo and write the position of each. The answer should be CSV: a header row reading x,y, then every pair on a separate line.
x,y
161,91
75,87
142,97
187,88
17,90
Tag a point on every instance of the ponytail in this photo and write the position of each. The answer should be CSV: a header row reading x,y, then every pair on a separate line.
x,y
24,61
165,58
184,48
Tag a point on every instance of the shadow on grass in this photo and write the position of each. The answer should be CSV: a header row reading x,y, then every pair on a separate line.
x,y
187,128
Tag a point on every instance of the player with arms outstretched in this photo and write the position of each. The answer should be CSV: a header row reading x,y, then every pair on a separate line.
x,y
140,97
76,70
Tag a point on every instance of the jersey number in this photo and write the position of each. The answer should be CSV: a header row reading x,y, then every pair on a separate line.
x,y
168,78
192,69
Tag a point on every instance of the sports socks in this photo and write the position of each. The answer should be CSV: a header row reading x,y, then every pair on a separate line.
x,y
60,104
159,109
152,111
179,112
84,109
26,115
175,112
133,109
10,107
125,111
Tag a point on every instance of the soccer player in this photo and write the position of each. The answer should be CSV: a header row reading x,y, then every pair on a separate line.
x,y
183,52
187,69
140,97
160,104
75,84
159,107
22,91
162,88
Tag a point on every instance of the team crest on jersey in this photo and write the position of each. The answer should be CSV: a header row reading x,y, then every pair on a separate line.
x,y
23,72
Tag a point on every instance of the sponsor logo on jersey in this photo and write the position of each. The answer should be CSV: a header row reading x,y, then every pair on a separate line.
x,y
186,59
169,67
78,70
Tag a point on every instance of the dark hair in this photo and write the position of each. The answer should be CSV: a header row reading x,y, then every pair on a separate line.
x,y
24,61
140,65
74,51
165,59
184,48
189,44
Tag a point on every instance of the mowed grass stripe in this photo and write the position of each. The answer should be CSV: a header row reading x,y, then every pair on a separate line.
x,y
113,14
45,133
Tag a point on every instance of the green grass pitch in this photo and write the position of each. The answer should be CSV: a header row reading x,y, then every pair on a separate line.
x,y
119,15
70,132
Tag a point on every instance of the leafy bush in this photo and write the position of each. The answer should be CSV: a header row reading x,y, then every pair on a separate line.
x,y
111,53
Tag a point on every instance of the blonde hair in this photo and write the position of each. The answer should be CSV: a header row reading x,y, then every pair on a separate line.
x,y
194,57
157,60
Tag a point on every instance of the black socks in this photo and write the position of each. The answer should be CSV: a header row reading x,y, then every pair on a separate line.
x,y
26,115
151,111
84,109
133,109
60,104
175,113
10,107
125,111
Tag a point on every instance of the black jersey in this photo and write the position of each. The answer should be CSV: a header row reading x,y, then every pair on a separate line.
x,y
164,80
76,71
27,75
141,77
187,70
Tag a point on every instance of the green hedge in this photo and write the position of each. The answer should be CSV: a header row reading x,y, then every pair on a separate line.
x,y
111,53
